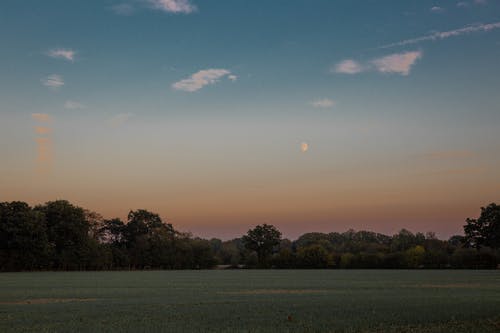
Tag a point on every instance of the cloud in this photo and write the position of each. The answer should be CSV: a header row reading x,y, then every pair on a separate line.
x,y
120,119
481,2
44,149
41,117
44,145
437,9
462,4
66,54
450,154
123,9
53,81
173,6
202,78
399,63
43,130
348,66
72,105
446,34
232,77
323,103
304,146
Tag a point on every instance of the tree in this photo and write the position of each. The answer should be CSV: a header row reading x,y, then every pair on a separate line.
x,y
262,239
485,230
313,256
414,257
23,237
149,240
67,232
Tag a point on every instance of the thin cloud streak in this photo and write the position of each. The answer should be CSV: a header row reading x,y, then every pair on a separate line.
x,y
446,34
72,105
304,147
174,6
437,9
42,130
348,66
396,63
53,81
203,78
399,63
120,119
41,117
66,54
323,103
44,156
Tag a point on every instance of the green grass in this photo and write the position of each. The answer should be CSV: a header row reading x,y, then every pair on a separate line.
x,y
251,301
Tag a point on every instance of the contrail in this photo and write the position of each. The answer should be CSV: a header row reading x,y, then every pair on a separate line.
x,y
446,34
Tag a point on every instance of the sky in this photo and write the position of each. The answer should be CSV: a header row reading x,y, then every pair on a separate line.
x,y
314,115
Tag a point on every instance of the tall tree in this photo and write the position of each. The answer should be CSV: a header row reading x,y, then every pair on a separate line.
x,y
485,230
67,232
148,239
23,238
262,239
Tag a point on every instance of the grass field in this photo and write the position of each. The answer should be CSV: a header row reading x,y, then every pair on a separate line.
x,y
251,301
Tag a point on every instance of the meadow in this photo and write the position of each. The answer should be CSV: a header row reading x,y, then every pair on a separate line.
x,y
251,301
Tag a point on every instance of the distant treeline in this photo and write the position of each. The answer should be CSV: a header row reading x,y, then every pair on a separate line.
x,y
61,236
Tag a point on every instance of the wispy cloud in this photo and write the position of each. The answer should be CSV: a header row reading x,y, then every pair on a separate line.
x,y
304,146
43,142
66,54
173,6
202,78
462,4
348,66
42,130
53,81
41,117
72,105
120,119
446,34
399,63
323,103
480,2
396,63
124,9
437,9
44,149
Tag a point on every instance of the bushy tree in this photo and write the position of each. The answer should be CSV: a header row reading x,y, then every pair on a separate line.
x,y
23,237
67,233
262,239
485,230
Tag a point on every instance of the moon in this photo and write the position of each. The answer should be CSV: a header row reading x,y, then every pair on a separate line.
x,y
304,146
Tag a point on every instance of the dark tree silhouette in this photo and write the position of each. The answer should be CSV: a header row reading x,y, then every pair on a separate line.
x,y
485,230
23,237
60,236
262,239
67,232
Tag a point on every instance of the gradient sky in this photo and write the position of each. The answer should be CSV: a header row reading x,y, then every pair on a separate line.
x,y
220,115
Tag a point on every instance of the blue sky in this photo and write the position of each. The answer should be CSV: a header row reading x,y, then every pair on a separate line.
x,y
228,107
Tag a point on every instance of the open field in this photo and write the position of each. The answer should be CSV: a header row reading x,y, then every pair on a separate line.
x,y
251,301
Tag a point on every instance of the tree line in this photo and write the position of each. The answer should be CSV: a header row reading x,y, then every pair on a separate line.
x,y
61,236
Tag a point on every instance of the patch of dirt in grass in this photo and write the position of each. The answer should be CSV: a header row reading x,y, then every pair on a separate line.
x,y
275,292
48,301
